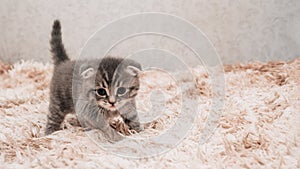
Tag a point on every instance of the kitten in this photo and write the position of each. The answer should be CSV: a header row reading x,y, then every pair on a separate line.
x,y
101,90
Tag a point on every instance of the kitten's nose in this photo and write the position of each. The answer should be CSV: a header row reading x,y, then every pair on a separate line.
x,y
112,100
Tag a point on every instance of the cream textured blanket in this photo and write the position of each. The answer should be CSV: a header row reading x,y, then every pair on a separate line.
x,y
259,127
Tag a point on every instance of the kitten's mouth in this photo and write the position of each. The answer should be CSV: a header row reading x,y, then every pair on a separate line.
x,y
112,107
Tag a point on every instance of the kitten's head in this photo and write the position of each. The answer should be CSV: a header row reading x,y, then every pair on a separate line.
x,y
116,82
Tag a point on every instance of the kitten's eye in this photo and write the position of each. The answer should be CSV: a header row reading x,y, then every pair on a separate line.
x,y
101,92
121,90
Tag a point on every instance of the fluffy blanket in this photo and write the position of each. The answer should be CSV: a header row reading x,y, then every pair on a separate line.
x,y
259,127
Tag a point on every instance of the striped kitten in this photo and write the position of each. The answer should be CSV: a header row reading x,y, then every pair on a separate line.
x,y
104,89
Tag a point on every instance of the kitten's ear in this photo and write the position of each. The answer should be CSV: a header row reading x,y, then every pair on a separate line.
x,y
87,73
132,70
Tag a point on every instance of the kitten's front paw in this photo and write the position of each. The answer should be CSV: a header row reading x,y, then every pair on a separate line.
x,y
136,126
140,128
114,137
118,124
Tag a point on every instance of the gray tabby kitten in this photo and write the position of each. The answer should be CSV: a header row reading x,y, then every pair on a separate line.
x,y
102,89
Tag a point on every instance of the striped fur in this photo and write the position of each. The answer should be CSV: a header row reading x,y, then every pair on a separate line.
x,y
57,48
92,110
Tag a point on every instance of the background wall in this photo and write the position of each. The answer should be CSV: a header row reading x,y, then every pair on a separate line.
x,y
240,30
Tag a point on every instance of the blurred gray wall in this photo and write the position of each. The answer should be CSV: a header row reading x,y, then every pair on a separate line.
x,y
241,31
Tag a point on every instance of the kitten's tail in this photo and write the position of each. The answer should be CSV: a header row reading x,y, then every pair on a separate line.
x,y
57,48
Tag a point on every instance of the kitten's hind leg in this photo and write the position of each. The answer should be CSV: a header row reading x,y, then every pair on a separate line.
x,y
54,120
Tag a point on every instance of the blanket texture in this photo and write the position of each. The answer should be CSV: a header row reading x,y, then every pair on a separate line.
x,y
259,127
